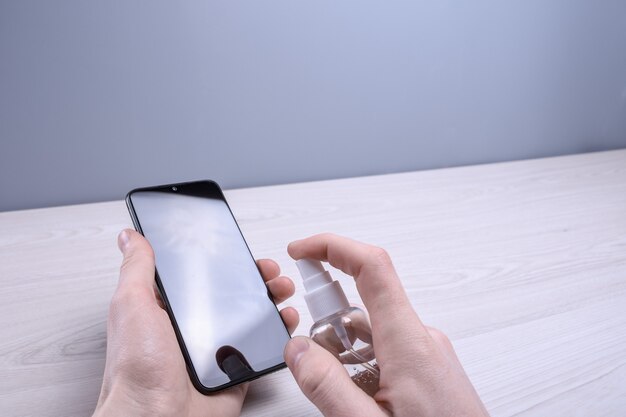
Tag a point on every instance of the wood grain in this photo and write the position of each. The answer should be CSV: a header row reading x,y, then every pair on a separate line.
x,y
522,264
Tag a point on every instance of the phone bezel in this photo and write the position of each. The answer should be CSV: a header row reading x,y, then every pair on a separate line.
x,y
181,342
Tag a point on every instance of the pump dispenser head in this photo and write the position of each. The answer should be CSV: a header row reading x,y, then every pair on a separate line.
x,y
324,297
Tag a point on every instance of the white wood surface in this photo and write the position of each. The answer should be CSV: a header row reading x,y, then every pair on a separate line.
x,y
522,264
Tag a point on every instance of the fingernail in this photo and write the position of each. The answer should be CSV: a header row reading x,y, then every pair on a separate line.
x,y
295,349
122,240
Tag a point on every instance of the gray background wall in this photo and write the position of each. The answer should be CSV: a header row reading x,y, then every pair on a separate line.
x,y
100,97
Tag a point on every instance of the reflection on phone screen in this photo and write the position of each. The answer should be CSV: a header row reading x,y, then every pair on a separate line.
x,y
220,303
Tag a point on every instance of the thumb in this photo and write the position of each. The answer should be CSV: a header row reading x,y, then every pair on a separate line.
x,y
137,270
325,382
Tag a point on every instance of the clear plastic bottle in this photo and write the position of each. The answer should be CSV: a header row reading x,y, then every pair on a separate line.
x,y
340,328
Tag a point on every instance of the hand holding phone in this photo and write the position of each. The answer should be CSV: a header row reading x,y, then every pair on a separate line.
x,y
145,371
228,328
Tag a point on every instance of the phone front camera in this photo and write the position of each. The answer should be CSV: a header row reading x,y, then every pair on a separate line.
x,y
174,188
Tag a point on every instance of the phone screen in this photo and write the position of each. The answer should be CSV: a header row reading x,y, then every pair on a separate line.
x,y
228,326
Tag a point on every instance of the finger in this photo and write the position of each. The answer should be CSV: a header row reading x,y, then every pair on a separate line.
x,y
392,317
137,270
281,288
325,381
376,279
269,268
291,318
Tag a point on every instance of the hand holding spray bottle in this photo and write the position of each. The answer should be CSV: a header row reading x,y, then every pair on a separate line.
x,y
340,328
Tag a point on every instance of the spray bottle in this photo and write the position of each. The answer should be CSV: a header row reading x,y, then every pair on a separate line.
x,y
340,328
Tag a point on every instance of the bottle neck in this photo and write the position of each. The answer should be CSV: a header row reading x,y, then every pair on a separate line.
x,y
326,300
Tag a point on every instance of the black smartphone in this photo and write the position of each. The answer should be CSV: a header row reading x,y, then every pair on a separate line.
x,y
228,327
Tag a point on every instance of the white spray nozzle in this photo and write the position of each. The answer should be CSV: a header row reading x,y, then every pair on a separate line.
x,y
324,297
309,267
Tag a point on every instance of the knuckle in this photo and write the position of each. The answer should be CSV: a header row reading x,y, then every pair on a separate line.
x,y
118,301
437,334
126,263
440,338
144,253
123,298
116,309
379,256
326,236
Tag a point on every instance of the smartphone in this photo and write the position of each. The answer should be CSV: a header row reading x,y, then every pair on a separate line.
x,y
228,328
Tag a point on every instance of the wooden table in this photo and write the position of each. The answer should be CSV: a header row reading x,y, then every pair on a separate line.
x,y
522,264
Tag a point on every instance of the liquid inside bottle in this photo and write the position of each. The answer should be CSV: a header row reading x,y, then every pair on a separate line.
x,y
347,335
340,328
